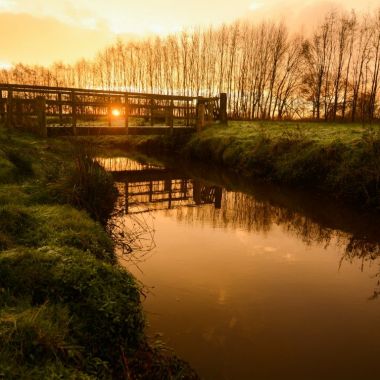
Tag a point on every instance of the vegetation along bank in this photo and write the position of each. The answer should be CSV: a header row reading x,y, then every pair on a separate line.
x,y
67,310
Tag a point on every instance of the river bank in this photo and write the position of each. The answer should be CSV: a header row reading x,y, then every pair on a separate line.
x,y
67,309
341,160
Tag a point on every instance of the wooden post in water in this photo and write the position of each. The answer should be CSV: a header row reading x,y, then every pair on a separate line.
x,y
40,105
73,113
200,114
218,197
196,192
126,113
170,193
150,191
9,120
223,108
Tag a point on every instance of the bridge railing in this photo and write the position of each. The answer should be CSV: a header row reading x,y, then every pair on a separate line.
x,y
38,107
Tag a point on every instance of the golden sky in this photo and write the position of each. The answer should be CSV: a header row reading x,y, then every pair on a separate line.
x,y
44,31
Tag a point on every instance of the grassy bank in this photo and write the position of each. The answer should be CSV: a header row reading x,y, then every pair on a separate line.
x,y
67,310
342,160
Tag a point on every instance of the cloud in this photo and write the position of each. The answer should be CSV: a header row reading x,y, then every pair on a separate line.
x,y
66,11
127,16
297,14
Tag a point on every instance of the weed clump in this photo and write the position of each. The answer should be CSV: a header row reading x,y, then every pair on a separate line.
x,y
85,185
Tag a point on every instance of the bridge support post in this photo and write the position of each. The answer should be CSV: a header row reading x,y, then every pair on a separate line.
x,y
73,113
60,109
126,114
9,120
187,114
171,116
109,114
223,108
151,112
40,104
200,114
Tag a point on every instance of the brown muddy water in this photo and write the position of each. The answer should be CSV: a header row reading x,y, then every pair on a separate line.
x,y
251,282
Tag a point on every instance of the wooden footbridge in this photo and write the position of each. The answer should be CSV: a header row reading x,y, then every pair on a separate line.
x,y
55,111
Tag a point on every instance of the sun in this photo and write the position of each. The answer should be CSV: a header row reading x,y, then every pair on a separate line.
x,y
256,5
115,112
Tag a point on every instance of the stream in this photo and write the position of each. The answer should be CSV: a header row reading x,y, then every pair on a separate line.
x,y
250,281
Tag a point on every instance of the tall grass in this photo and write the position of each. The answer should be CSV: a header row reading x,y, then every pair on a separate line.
x,y
83,183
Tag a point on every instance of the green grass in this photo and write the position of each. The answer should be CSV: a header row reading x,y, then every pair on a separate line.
x,y
67,310
324,133
342,159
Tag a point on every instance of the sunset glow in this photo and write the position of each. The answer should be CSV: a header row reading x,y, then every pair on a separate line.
x,y
5,65
47,31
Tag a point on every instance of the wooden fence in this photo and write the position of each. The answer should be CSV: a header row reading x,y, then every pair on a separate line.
x,y
42,108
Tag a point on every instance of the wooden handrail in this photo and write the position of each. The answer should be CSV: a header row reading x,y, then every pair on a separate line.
x,y
81,91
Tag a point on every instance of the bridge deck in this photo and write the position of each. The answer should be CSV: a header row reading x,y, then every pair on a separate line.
x,y
116,131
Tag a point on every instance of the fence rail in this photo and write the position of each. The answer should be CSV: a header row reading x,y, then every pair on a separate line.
x,y
40,107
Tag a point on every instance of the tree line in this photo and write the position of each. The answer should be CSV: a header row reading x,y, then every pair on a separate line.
x,y
267,72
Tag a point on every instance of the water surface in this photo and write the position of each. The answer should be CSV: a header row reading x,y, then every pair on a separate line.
x,y
251,282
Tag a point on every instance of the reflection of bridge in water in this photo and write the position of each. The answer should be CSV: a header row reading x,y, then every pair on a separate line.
x,y
148,187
